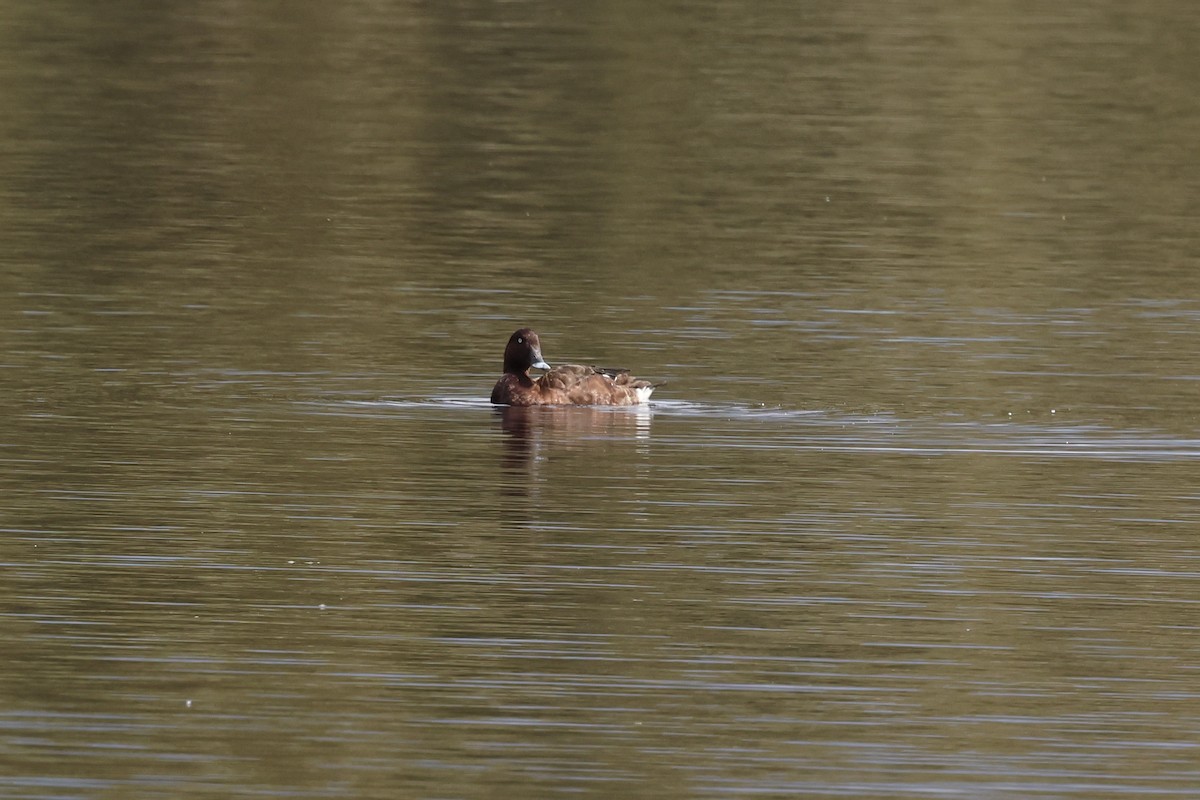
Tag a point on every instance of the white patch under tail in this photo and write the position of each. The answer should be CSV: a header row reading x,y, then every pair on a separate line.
x,y
643,393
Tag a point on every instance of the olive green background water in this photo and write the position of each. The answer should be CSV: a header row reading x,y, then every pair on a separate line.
x,y
916,514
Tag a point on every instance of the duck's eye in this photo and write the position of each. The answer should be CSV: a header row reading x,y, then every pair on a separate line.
x,y
520,340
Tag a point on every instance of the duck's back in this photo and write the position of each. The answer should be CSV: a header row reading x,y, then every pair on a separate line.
x,y
583,385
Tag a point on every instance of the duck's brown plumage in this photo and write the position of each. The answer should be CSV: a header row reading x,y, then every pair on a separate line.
x,y
569,384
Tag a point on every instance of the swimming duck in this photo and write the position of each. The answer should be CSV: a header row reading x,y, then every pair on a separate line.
x,y
569,384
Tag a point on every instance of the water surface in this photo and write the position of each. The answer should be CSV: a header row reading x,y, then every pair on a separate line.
x,y
914,514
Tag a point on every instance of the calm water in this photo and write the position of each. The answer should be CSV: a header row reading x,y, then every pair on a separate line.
x,y
917,513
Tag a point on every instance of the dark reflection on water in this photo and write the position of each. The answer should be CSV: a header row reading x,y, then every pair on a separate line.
x,y
914,515
533,433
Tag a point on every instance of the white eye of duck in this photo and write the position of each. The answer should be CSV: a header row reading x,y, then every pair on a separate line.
x,y
520,340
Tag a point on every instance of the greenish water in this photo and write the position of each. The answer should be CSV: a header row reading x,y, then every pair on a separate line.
x,y
914,515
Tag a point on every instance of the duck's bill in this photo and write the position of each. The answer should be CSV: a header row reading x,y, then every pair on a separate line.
x,y
540,364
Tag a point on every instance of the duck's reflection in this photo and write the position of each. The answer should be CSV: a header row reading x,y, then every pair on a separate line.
x,y
533,431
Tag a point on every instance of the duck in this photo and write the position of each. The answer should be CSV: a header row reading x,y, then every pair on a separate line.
x,y
564,385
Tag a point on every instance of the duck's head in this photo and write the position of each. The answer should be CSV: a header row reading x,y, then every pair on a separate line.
x,y
524,350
